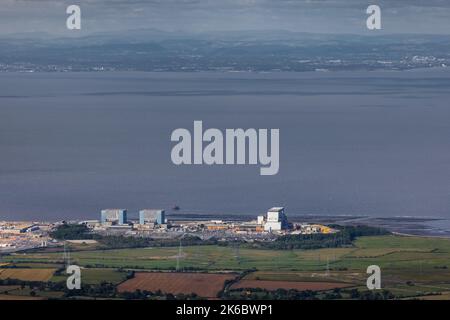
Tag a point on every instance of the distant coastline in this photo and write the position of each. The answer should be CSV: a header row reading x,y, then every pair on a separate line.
x,y
435,227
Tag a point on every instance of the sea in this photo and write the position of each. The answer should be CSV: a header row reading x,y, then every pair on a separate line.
x,y
352,144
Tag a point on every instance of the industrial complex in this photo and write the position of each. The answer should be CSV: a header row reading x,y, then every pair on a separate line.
x,y
153,223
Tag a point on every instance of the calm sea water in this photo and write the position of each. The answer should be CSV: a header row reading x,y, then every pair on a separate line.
x,y
355,143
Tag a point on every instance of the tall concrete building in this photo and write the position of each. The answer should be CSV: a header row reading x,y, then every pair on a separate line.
x,y
114,216
276,220
260,220
152,216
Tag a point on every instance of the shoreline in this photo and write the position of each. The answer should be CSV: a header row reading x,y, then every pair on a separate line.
x,y
401,226
419,236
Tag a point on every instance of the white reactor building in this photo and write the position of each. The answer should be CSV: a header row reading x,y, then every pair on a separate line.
x,y
276,220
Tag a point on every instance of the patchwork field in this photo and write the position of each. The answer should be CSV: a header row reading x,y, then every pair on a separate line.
x,y
411,266
296,285
214,258
442,296
12,297
392,252
7,289
27,274
96,276
345,277
203,284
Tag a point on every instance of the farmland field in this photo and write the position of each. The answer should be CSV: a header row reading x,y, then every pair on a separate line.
x,y
12,297
307,276
296,285
27,274
389,252
411,266
5,289
96,276
203,284
442,296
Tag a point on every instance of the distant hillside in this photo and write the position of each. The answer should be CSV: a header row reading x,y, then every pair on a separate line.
x,y
152,50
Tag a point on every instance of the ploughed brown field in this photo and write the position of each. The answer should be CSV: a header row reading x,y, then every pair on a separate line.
x,y
203,284
296,285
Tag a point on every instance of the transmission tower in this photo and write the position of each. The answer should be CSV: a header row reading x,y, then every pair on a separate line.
x,y
66,255
237,253
180,251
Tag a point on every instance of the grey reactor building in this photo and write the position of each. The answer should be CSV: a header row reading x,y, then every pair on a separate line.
x,y
119,217
114,216
152,216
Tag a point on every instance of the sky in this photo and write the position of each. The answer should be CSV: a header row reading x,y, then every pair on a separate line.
x,y
316,16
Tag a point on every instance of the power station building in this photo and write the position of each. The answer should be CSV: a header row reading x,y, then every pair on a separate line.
x,y
276,220
147,216
114,216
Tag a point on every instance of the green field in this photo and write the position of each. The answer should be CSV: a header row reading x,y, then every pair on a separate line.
x,y
199,257
410,265
96,276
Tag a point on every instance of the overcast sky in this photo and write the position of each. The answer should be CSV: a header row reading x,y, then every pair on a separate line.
x,y
321,16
